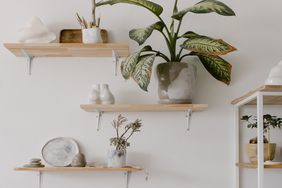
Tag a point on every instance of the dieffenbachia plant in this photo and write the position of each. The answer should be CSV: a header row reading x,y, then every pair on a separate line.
x,y
139,65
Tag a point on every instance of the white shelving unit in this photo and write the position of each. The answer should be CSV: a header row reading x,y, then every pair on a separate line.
x,y
265,95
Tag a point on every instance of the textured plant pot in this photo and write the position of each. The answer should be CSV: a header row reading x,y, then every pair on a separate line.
x,y
91,36
176,82
116,158
269,152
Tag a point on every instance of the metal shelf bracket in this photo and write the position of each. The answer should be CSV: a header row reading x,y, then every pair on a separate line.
x,y
30,59
115,59
188,118
127,176
99,117
39,179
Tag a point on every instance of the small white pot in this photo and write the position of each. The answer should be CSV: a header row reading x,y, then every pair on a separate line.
x,y
91,36
116,159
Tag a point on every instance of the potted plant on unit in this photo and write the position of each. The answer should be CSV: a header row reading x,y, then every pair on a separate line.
x,y
176,79
91,32
269,122
117,156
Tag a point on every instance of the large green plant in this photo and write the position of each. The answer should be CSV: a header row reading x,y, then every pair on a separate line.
x,y
139,65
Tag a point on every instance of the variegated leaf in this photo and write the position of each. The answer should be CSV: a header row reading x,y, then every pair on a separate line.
x,y
143,71
142,34
206,6
217,67
151,6
128,65
146,48
189,34
206,45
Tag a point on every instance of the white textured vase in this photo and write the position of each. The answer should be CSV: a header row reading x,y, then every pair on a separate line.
x,y
94,96
116,158
275,75
106,96
91,36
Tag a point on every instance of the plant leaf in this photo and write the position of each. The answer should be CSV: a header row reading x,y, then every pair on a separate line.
x,y
142,34
159,26
206,45
217,67
143,71
206,6
189,34
151,6
128,65
146,48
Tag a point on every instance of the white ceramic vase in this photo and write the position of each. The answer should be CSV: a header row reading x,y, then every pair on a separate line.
x,y
94,96
116,158
91,36
106,96
275,75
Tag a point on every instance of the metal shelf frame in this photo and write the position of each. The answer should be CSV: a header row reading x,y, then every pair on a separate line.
x,y
259,97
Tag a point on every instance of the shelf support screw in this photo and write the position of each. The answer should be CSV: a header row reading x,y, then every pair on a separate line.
x,y
127,176
115,59
188,118
30,59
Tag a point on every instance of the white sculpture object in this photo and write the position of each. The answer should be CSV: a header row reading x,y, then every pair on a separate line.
x,y
35,32
275,76
106,95
94,96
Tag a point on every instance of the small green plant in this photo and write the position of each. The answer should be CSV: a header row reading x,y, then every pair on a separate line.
x,y
180,45
269,122
120,142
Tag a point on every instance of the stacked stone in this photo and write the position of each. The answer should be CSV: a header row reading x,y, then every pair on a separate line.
x,y
35,163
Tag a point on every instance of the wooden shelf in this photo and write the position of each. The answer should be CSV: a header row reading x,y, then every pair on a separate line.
x,y
74,169
268,100
249,165
68,50
143,107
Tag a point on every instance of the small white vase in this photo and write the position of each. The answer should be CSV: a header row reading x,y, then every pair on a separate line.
x,y
91,36
116,158
106,96
94,96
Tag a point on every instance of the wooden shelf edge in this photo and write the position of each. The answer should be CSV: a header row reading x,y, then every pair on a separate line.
x,y
143,107
78,169
67,49
264,88
254,166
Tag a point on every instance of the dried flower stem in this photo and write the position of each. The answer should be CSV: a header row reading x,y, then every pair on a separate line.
x,y
94,11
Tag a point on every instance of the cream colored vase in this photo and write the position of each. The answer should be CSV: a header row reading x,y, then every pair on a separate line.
x,y
269,152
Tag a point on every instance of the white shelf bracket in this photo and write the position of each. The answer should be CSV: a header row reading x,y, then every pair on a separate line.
x,y
39,179
99,117
115,59
127,176
30,59
188,118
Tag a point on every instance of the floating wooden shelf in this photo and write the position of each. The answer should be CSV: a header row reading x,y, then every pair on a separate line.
x,y
143,107
68,50
268,100
249,165
74,169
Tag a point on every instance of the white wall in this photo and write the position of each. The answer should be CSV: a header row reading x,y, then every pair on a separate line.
x,y
46,105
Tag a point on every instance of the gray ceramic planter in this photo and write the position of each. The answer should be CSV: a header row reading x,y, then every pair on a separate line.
x,y
176,82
